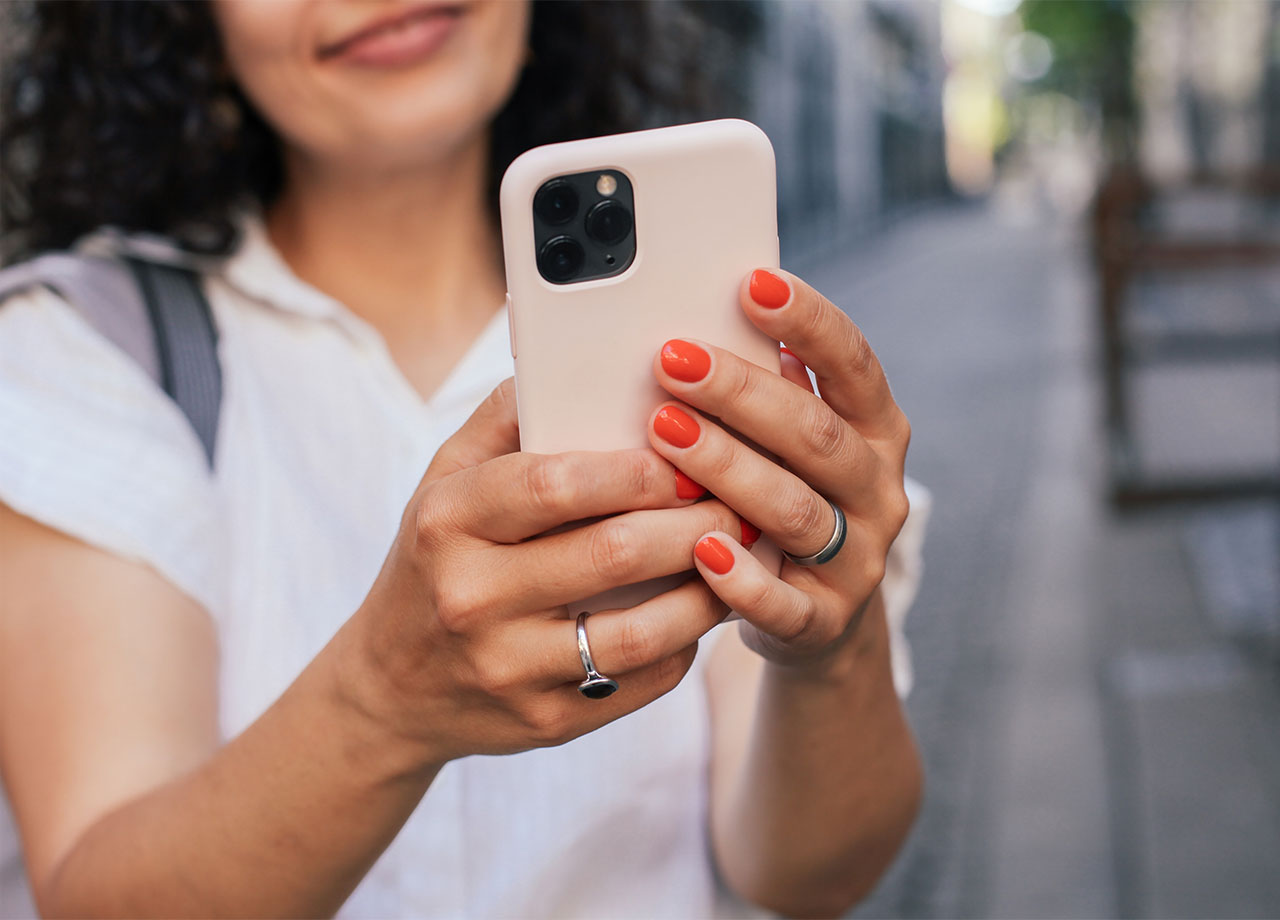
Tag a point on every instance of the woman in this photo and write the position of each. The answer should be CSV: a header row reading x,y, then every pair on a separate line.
x,y
204,706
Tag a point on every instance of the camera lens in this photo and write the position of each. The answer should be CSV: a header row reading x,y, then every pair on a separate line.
x,y
609,222
556,202
560,259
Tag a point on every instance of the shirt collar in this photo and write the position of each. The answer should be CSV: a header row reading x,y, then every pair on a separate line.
x,y
255,268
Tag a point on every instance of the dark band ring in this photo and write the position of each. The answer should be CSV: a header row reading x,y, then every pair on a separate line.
x,y
828,552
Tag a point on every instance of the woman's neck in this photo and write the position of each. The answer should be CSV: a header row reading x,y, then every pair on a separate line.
x,y
415,253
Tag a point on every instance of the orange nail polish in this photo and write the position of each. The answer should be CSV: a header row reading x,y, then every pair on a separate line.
x,y
676,427
685,361
714,555
768,290
687,488
750,532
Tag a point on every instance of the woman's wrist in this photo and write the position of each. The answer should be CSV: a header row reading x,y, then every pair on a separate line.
x,y
375,706
851,659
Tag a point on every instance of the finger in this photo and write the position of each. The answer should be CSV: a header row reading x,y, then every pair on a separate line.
x,y
560,713
780,610
513,497
570,565
785,507
819,445
491,431
626,641
849,374
793,369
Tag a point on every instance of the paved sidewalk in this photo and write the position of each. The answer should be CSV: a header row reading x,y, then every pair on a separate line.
x,y
1096,743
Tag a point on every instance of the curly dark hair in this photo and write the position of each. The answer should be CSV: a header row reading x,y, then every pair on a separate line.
x,y
124,114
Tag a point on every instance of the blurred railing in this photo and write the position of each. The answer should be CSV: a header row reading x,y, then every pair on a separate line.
x,y
1177,287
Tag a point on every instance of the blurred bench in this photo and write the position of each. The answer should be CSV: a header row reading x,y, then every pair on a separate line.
x,y
1134,238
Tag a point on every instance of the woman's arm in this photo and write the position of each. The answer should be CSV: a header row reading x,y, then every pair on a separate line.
x,y
109,749
126,803
816,776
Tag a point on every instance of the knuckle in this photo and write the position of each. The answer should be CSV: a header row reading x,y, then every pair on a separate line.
x,y
459,606
498,675
859,359
828,435
643,476
904,430
613,551
429,520
798,627
549,482
802,515
503,395
721,457
873,569
637,645
756,596
814,321
899,509
672,669
742,386
547,722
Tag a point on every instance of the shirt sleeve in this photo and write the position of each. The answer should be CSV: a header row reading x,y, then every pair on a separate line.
x,y
92,447
903,570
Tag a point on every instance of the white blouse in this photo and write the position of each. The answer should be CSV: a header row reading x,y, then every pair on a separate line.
x,y
321,443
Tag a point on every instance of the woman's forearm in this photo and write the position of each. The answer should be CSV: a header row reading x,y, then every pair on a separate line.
x,y
811,817
285,819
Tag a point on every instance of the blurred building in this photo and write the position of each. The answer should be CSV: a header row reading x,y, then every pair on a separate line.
x,y
850,94
1207,78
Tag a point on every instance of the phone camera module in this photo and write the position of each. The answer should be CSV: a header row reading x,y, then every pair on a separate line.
x,y
560,259
584,226
609,222
556,202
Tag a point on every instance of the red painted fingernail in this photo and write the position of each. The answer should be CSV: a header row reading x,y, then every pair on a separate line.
x,y
714,555
750,532
676,427
787,351
687,488
768,290
685,361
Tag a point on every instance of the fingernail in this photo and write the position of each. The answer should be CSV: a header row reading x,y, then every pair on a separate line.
x,y
750,532
787,351
687,488
675,426
685,361
714,555
768,290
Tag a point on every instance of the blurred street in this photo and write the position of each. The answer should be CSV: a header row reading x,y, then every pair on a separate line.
x,y
1099,742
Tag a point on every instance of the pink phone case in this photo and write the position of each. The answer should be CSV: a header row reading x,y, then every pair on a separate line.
x,y
705,216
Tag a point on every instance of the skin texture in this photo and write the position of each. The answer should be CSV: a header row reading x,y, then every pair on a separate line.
x,y
128,801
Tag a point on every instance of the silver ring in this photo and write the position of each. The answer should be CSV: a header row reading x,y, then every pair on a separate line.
x,y
596,686
828,552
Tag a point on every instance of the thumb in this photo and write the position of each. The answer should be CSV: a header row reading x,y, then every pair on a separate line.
x,y
491,431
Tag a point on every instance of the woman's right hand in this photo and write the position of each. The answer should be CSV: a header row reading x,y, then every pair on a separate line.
x,y
464,645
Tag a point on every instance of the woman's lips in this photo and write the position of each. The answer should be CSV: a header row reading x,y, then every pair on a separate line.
x,y
396,41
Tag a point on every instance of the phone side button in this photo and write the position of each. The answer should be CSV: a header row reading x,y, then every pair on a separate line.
x,y
511,328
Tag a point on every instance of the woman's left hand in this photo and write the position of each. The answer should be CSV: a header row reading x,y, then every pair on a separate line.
x,y
846,445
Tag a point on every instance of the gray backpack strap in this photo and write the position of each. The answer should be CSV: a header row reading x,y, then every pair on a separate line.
x,y
186,343
156,314
102,290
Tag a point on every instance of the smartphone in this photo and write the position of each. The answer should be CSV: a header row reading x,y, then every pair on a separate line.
x,y
614,245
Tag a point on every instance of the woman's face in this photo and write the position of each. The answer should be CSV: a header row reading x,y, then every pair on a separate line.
x,y
375,84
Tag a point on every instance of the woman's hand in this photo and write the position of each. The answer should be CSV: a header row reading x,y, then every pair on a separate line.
x,y
846,445
467,646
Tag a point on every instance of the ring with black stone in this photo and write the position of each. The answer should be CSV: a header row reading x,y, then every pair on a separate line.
x,y
596,686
